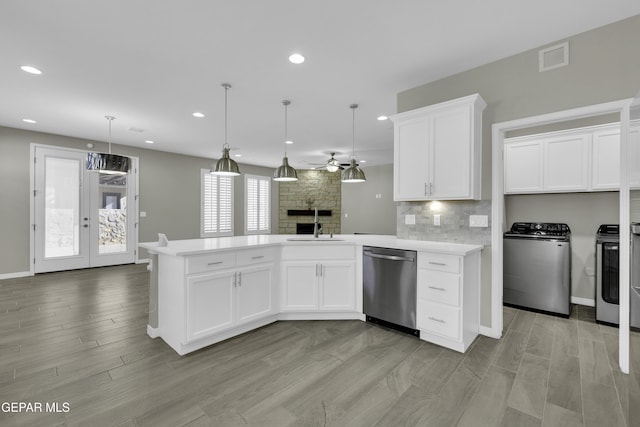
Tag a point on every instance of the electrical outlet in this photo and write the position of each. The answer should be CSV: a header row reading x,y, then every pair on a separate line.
x,y
143,214
436,219
410,219
478,220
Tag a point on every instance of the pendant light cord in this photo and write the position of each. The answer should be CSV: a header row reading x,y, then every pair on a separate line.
x,y
226,87
286,104
110,118
353,130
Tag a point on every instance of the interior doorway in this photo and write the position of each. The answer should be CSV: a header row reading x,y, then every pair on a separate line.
x,y
80,218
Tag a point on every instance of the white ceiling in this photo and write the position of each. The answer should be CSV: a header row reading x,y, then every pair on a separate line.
x,y
152,63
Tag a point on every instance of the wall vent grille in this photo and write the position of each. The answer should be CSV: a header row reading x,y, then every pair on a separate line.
x,y
553,57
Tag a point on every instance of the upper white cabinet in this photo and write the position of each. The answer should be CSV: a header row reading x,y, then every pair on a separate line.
x,y
438,151
585,159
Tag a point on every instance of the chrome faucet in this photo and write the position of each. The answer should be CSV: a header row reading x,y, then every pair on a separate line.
x,y
316,229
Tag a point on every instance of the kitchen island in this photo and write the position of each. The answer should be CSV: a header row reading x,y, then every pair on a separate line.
x,y
209,290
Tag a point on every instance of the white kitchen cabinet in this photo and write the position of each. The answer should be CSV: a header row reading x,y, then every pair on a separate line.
x,y
318,279
447,311
438,151
566,163
606,159
207,298
523,167
576,160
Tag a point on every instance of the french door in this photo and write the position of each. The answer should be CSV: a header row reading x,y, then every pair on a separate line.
x,y
81,218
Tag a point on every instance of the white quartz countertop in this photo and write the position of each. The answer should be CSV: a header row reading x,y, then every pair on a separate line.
x,y
200,246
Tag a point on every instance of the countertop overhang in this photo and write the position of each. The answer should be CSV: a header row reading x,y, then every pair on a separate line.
x,y
207,245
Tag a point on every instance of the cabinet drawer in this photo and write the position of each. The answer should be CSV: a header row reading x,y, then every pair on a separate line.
x,y
210,262
319,251
254,256
439,319
439,262
438,286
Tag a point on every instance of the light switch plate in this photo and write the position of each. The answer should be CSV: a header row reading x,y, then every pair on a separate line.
x,y
410,219
436,219
478,220
143,214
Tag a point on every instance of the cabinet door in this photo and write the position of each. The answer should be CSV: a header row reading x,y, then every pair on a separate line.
x,y
254,293
566,163
523,167
300,286
606,160
337,286
451,154
410,159
210,304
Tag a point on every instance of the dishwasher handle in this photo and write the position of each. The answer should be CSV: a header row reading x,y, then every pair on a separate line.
x,y
389,257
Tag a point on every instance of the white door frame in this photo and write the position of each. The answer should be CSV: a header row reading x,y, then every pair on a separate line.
x,y
498,215
32,189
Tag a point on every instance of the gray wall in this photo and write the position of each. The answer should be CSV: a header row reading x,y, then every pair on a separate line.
x,y
169,193
604,65
362,212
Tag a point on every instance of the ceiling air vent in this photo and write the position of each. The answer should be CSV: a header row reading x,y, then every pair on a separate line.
x,y
554,57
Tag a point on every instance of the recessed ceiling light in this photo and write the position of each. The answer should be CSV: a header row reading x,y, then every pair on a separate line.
x,y
363,161
31,70
197,114
148,141
296,58
29,121
238,155
381,118
288,142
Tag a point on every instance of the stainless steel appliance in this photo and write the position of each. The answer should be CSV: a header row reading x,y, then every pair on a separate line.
x,y
389,287
634,303
537,267
607,296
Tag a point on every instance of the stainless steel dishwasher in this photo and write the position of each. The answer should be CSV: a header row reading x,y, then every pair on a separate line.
x,y
389,291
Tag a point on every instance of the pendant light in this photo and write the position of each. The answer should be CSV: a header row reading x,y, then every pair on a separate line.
x,y
106,162
225,166
285,172
353,173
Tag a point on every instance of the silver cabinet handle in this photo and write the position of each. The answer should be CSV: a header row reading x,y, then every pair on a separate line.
x,y
389,257
425,189
214,263
442,264
437,288
430,188
437,320
257,257
240,278
235,278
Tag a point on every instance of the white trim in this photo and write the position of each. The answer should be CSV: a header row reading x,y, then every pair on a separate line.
x,y
498,131
487,332
143,261
153,332
16,275
589,302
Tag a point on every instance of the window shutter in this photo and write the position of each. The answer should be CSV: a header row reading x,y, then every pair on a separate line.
x,y
216,205
258,204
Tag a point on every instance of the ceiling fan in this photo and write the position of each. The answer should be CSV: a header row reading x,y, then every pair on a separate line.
x,y
332,165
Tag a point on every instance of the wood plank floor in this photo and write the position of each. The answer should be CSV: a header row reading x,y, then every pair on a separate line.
x,y
80,338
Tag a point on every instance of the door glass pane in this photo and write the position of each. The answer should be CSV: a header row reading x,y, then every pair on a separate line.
x,y
112,213
62,207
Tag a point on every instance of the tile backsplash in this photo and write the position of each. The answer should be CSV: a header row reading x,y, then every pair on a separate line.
x,y
454,221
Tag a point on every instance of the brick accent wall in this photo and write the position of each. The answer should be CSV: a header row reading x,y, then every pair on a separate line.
x,y
314,189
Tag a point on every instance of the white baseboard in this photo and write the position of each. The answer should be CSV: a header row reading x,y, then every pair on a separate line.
x,y
143,261
15,275
583,301
489,332
152,332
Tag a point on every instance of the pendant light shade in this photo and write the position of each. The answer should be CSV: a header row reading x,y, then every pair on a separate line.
x,y
225,166
285,172
353,173
106,162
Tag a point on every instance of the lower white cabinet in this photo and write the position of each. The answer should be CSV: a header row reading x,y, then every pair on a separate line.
x,y
204,299
312,281
448,308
